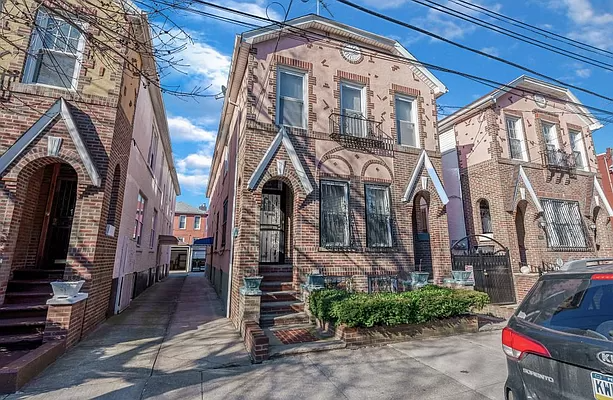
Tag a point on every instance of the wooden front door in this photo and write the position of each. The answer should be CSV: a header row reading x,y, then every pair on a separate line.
x,y
272,229
60,222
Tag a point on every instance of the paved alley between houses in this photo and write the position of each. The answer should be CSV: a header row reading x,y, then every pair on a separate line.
x,y
173,342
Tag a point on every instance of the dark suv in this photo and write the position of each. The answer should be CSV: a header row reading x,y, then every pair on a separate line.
x,y
559,342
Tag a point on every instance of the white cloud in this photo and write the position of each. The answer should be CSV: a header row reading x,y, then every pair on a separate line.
x,y
195,184
183,130
195,163
583,72
588,24
203,60
257,7
491,51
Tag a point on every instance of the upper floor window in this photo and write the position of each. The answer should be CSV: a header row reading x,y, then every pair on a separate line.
x,y
353,120
576,145
197,222
378,216
517,145
153,148
182,221
224,223
334,209
551,136
406,121
154,222
291,110
55,52
140,217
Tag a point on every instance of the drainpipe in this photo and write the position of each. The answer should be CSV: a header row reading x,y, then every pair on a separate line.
x,y
230,269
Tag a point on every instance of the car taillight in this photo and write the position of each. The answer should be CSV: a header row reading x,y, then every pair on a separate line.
x,y
516,345
602,277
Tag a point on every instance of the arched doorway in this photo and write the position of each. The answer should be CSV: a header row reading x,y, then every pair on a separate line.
x,y
520,228
47,214
276,216
421,232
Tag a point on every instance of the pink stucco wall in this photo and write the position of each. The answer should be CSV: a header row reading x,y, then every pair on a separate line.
x,y
156,185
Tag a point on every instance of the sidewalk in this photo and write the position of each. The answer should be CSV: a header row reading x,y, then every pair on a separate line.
x,y
157,348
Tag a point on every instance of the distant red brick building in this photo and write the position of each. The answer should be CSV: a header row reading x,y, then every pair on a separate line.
x,y
605,167
189,223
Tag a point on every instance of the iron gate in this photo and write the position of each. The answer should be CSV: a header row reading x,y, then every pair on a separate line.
x,y
491,268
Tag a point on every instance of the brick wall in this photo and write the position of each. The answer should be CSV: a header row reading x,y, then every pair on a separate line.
x,y
65,322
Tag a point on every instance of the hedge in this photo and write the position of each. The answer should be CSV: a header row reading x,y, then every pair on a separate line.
x,y
390,309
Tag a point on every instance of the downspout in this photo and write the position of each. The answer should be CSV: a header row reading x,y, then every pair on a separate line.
x,y
230,268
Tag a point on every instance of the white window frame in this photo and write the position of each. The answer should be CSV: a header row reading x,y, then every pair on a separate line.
x,y
554,129
305,101
154,222
153,149
362,89
414,117
518,127
580,144
199,219
184,219
36,42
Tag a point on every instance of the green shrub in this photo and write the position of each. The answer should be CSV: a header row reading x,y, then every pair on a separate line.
x,y
320,302
390,309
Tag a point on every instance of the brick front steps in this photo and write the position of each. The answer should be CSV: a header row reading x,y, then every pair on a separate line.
x,y
381,335
280,303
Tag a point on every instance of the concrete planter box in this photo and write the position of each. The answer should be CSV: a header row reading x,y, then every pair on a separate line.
x,y
64,290
380,335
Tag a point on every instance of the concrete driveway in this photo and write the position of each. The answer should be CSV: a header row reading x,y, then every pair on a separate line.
x,y
173,343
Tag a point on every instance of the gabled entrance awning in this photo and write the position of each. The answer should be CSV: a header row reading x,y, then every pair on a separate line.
x,y
281,138
424,162
522,177
59,109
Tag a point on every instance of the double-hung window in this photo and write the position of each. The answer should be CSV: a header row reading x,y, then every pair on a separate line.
x,y
564,226
154,221
406,125
197,222
517,145
334,214
576,145
378,216
153,148
551,136
353,121
291,104
54,53
224,223
139,218
182,221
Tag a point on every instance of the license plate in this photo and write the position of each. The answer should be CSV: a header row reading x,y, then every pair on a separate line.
x,y
603,386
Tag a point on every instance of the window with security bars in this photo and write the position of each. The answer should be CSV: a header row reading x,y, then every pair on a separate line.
x,y
54,52
334,214
576,145
405,122
291,102
564,226
516,138
378,216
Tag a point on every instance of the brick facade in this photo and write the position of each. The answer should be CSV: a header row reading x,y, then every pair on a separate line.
x,y
103,117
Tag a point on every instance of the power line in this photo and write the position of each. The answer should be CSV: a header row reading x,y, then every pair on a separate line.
x,y
532,28
515,35
468,48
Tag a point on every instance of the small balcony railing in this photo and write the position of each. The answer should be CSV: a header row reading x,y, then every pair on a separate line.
x,y
556,159
353,129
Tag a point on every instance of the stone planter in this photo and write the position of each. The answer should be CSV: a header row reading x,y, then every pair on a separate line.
x,y
64,290
461,277
252,284
419,279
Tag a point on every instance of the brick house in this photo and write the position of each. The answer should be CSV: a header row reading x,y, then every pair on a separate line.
x,y
326,160
526,176
64,149
189,223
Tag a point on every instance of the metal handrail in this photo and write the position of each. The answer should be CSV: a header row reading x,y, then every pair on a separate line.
x,y
559,159
359,131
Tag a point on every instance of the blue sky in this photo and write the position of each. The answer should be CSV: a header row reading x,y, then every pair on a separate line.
x,y
193,123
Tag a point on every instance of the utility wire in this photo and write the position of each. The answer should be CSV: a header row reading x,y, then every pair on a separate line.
x,y
532,28
468,48
300,33
515,35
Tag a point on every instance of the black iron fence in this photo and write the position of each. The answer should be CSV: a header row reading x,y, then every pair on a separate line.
x,y
559,160
357,131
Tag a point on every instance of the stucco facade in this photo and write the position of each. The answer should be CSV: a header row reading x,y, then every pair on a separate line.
x,y
517,160
140,258
279,172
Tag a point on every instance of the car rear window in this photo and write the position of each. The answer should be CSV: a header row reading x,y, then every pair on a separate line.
x,y
577,306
